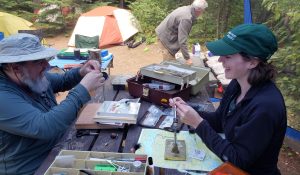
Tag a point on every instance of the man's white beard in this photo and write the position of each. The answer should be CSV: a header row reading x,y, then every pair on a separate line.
x,y
39,85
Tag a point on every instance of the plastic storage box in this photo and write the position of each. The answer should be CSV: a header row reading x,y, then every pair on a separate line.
x,y
72,162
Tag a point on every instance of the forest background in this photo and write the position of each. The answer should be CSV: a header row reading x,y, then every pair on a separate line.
x,y
282,16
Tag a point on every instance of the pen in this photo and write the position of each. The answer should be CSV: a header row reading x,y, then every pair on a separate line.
x,y
197,171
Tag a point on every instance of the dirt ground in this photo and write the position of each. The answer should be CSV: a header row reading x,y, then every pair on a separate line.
x,y
129,61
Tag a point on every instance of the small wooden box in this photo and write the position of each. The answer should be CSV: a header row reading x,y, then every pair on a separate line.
x,y
88,160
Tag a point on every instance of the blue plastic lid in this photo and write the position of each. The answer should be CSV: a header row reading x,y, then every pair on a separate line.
x,y
107,57
1,35
214,99
104,52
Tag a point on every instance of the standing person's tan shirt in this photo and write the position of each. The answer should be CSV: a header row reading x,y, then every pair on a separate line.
x,y
174,30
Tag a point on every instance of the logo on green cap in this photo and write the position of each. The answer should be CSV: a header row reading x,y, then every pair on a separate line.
x,y
231,36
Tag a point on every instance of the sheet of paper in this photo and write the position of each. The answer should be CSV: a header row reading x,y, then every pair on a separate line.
x,y
153,144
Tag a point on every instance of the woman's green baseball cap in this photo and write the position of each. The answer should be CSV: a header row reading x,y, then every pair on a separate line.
x,y
255,40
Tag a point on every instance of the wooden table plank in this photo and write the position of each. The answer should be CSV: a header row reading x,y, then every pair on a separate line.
x,y
105,143
134,131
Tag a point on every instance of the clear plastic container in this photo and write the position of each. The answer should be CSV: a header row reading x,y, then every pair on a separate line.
x,y
99,96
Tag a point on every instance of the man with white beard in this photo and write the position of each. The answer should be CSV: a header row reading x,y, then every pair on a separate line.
x,y
31,121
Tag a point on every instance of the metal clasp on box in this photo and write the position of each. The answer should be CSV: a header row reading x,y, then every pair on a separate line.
x,y
145,91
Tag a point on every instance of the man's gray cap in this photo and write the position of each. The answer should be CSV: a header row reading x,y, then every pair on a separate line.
x,y
23,47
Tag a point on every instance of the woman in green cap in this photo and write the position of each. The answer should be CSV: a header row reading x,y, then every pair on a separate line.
x,y
252,113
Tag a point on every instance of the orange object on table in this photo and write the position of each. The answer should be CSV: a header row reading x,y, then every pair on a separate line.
x,y
227,169
70,66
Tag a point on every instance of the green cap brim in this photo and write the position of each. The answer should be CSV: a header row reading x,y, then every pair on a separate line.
x,y
221,48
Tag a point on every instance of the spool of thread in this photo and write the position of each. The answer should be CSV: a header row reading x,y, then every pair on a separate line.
x,y
113,135
135,147
77,53
94,54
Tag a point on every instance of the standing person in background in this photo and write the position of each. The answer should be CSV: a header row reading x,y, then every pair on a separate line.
x,y
174,30
31,121
252,113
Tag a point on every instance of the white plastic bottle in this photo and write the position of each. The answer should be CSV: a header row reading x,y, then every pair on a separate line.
x,y
197,49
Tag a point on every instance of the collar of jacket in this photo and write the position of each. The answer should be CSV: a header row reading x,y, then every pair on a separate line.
x,y
6,81
2,74
251,92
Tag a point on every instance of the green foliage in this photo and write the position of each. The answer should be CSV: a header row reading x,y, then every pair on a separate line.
x,y
22,8
63,22
285,22
218,18
149,13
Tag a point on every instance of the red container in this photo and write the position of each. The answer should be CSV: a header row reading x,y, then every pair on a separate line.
x,y
158,97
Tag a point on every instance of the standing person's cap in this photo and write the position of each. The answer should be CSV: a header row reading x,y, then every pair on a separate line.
x,y
23,47
255,40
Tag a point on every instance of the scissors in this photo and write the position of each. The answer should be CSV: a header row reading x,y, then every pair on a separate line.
x,y
80,133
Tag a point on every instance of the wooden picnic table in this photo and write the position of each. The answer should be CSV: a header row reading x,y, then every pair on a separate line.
x,y
126,138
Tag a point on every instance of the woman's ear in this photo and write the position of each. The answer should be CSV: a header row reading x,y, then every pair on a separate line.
x,y
253,63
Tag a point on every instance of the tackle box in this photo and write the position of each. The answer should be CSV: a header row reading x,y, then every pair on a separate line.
x,y
71,162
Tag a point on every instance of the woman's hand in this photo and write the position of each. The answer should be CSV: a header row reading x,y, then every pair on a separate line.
x,y
89,66
186,113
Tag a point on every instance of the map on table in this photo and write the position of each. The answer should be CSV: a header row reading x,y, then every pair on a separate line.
x,y
153,144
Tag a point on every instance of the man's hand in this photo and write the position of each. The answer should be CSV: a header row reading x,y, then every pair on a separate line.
x,y
92,80
89,66
189,61
186,113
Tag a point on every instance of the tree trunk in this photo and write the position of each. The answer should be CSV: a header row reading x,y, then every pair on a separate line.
x,y
226,15
121,3
219,19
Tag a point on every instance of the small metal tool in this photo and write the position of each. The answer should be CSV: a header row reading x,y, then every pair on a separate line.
x,y
175,124
175,149
80,133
